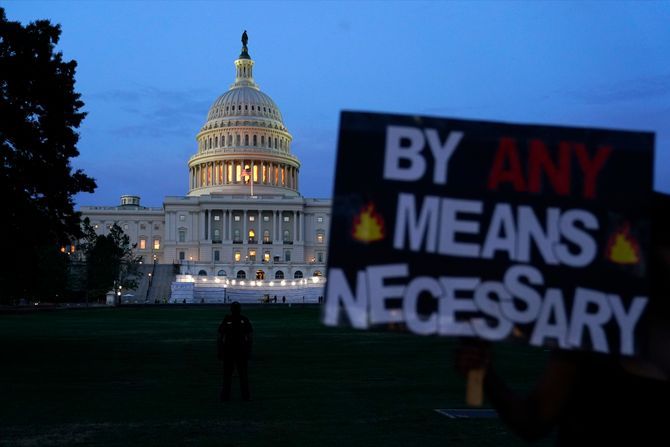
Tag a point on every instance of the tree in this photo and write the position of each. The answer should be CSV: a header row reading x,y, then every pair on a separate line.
x,y
39,112
109,260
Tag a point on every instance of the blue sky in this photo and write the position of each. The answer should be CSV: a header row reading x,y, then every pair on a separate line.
x,y
149,70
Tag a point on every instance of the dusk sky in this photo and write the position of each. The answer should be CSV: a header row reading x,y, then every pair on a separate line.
x,y
148,72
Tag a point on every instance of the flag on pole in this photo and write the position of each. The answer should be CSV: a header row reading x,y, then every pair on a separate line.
x,y
248,173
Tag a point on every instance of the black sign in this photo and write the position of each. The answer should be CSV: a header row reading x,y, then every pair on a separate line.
x,y
492,230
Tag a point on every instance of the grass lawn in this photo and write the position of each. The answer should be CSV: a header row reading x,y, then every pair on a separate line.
x,y
149,376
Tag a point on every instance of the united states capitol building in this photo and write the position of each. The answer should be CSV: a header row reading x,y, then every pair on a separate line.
x,y
243,231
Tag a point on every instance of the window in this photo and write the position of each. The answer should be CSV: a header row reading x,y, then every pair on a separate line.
x,y
237,217
236,236
252,218
279,275
241,274
156,226
182,255
318,273
287,255
297,274
238,256
255,140
252,235
287,219
157,244
266,256
319,256
266,236
246,140
143,243
252,255
221,273
202,273
125,227
142,226
217,218
266,218
319,219
182,217
320,237
217,234
287,236
182,235
217,255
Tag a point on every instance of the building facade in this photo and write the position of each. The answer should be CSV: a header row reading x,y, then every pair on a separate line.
x,y
243,222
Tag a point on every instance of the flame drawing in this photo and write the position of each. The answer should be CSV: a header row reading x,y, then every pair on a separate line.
x,y
622,247
368,225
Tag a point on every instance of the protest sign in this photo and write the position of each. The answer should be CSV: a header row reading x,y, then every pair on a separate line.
x,y
492,230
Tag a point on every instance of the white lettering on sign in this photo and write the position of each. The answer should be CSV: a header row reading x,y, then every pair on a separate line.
x,y
467,306
403,154
435,226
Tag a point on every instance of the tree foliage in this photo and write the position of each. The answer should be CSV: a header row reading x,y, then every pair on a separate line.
x,y
110,260
39,113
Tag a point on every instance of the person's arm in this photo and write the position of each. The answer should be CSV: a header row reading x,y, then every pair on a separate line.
x,y
530,416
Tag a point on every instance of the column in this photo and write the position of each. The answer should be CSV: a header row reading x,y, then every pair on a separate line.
x,y
295,228
230,224
274,226
201,225
244,228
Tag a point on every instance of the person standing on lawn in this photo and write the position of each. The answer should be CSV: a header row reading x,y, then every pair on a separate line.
x,y
234,348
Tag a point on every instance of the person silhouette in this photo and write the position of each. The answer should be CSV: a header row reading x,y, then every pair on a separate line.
x,y
234,343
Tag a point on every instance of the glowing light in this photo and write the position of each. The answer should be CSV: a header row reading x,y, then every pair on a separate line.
x,y
315,279
241,283
293,283
216,280
272,283
283,283
233,282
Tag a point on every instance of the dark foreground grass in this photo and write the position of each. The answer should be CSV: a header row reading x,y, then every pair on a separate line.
x,y
149,377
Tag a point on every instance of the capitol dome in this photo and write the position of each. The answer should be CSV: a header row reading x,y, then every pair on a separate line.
x,y
244,146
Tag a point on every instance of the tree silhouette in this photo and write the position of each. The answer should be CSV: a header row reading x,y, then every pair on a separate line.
x,y
39,112
110,260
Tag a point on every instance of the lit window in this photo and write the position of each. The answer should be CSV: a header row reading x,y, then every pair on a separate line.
x,y
157,244
217,218
266,218
252,234
319,219
319,237
182,217
143,244
252,255
266,256
238,256
266,236
125,227
252,218
237,218
287,219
